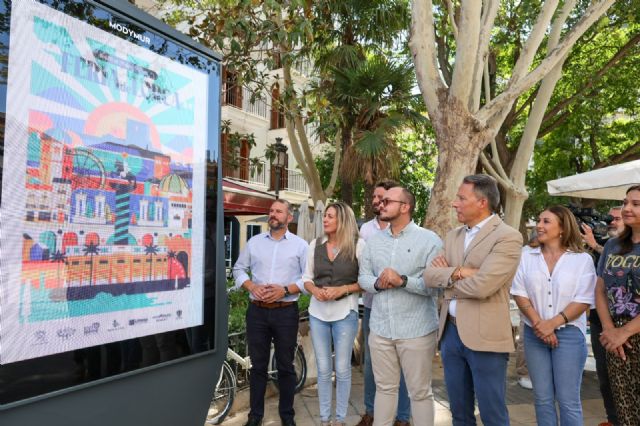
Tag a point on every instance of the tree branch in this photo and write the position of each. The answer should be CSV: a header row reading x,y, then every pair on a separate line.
x,y
489,14
337,159
423,49
466,48
622,53
629,154
452,17
593,13
527,142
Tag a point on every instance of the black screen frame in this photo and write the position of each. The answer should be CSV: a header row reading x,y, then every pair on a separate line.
x,y
217,314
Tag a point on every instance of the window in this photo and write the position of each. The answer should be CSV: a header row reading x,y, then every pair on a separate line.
x,y
253,230
277,111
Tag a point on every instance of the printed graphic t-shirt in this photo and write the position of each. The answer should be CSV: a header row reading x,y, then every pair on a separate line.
x,y
621,275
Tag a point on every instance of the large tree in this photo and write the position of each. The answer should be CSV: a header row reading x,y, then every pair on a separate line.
x,y
257,37
467,111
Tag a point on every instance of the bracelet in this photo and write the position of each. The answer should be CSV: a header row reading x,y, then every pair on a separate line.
x,y
348,293
566,320
459,273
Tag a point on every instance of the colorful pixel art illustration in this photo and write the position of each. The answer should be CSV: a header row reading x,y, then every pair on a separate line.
x,y
108,214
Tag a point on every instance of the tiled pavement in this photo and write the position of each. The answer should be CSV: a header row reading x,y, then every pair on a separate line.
x,y
520,402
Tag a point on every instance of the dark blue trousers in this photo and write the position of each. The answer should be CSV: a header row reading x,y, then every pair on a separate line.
x,y
279,325
472,374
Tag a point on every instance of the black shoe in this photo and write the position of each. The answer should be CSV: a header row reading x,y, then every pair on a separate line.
x,y
253,421
288,422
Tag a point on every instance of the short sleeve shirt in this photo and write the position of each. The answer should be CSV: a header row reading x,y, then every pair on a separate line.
x,y
621,276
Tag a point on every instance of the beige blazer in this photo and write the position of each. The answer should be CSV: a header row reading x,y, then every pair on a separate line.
x,y
482,312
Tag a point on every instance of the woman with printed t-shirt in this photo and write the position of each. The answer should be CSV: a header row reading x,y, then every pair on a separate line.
x,y
331,277
618,304
553,287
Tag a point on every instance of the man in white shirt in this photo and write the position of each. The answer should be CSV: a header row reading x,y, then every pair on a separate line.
x,y
367,230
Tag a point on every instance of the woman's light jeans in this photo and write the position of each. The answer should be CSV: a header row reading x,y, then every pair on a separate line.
x,y
556,375
342,333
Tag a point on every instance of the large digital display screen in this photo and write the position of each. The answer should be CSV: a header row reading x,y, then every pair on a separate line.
x,y
109,141
103,187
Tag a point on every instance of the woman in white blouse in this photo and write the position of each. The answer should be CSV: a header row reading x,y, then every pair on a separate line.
x,y
331,277
553,287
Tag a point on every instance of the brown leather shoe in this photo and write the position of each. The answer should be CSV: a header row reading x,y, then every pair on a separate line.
x,y
401,423
366,420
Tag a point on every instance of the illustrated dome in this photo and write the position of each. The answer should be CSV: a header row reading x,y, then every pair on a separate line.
x,y
174,184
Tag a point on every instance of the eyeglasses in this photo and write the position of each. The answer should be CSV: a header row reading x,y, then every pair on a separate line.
x,y
386,201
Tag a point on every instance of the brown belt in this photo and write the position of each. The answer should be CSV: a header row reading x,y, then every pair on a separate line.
x,y
452,320
272,305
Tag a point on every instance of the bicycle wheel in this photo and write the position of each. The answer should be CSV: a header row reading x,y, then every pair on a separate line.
x,y
299,364
223,396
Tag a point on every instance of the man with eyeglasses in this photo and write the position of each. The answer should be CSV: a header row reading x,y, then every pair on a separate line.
x,y
403,320
367,230
476,270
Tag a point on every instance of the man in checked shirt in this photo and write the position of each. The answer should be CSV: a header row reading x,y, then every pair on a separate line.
x,y
403,320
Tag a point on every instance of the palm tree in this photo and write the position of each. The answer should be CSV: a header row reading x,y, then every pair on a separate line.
x,y
91,250
59,258
378,96
150,250
361,28
171,255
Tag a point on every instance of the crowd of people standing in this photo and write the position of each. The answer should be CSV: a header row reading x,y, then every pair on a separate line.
x,y
422,293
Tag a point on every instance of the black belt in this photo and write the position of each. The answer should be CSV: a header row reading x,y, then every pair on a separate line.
x,y
452,320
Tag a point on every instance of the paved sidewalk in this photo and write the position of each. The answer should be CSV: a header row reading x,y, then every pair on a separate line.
x,y
519,400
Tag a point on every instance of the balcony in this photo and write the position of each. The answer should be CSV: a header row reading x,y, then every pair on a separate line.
x,y
259,174
241,98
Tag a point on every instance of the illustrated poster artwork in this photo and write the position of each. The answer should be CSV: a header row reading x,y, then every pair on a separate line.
x,y
103,188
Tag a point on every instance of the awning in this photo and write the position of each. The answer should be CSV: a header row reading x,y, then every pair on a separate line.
x,y
243,200
608,183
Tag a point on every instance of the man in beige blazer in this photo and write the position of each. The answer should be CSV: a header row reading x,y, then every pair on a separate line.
x,y
475,271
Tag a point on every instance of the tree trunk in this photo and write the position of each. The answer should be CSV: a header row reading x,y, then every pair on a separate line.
x,y
459,142
346,183
513,203
368,198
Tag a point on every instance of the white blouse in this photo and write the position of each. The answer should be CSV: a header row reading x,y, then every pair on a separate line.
x,y
331,310
573,280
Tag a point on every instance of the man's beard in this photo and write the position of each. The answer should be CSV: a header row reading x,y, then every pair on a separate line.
x,y
276,225
612,232
388,218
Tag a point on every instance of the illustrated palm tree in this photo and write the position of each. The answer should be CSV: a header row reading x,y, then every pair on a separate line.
x,y
171,256
91,250
59,257
151,250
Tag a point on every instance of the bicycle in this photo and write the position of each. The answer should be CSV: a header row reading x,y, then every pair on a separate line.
x,y
225,390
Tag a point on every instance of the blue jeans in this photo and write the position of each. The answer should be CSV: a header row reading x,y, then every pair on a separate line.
x,y
342,333
556,375
404,403
469,374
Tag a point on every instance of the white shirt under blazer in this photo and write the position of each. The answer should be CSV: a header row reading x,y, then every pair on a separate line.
x,y
573,280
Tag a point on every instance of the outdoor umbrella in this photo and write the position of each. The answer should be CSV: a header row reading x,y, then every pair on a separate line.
x,y
608,183
318,229
304,222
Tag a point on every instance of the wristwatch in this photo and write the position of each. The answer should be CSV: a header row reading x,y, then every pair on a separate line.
x,y
404,281
286,291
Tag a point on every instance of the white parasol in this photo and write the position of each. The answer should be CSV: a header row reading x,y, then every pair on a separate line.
x,y
608,183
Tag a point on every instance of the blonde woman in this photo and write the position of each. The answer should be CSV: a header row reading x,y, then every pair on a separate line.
x,y
331,277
